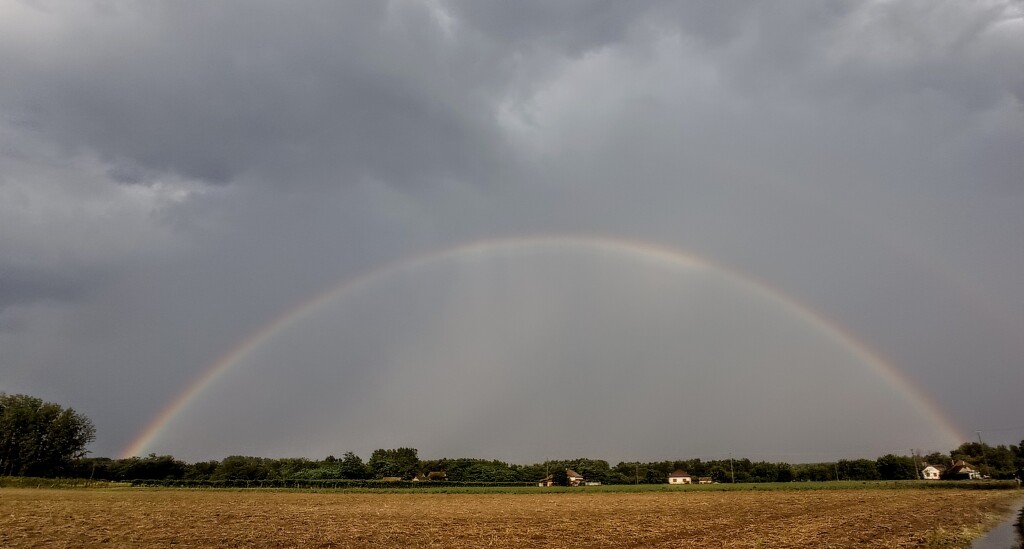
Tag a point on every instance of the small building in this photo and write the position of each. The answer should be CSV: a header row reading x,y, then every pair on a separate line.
x,y
392,479
705,480
547,481
680,476
931,472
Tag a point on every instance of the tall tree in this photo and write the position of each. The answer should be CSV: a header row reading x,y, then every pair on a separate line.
x,y
352,466
40,438
893,467
398,462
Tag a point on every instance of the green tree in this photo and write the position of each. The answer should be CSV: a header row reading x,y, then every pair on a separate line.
x,y
857,469
893,467
935,458
201,470
786,473
242,468
815,472
559,477
40,438
149,467
398,462
352,466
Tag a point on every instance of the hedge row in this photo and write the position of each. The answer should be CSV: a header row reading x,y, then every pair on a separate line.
x,y
308,483
37,482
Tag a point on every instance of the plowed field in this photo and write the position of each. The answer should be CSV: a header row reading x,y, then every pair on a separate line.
x,y
195,518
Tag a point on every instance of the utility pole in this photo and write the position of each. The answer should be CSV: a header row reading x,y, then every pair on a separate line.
x,y
732,471
984,458
916,466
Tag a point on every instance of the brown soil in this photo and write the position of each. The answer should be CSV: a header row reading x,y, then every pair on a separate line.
x,y
184,518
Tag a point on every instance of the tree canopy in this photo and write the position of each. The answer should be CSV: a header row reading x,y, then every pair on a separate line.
x,y
40,438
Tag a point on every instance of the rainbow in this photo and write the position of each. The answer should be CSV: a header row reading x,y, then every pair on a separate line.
x,y
618,247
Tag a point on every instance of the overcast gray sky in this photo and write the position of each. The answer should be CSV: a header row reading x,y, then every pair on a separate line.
x,y
175,176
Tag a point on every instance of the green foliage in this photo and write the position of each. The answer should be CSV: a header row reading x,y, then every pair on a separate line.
x,y
559,477
352,467
893,467
58,482
201,470
399,462
151,466
786,473
243,468
858,469
814,472
935,458
1000,462
40,438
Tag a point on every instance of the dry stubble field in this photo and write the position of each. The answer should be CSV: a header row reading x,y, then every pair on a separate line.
x,y
214,518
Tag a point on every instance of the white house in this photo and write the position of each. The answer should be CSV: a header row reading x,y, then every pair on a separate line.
x,y
680,476
931,473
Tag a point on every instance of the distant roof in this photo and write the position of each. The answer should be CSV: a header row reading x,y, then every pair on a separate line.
x,y
571,473
679,473
960,466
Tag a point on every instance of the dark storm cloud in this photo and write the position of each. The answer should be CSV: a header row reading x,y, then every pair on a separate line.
x,y
326,92
174,175
571,27
20,286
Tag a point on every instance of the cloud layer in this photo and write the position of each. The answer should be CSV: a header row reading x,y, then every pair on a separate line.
x,y
175,175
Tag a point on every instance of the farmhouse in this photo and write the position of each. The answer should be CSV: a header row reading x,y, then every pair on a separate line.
x,y
572,478
961,470
931,472
680,476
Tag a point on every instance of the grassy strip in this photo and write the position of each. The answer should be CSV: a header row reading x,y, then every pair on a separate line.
x,y
520,488
34,482
373,486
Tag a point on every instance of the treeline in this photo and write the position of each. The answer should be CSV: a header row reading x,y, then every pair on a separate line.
x,y
1001,462
43,439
